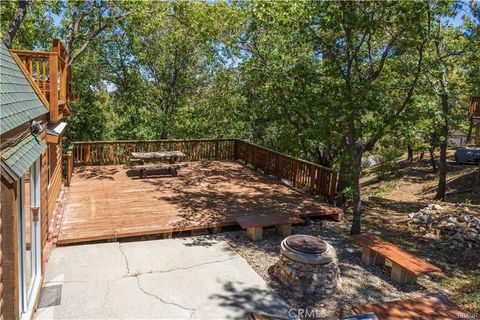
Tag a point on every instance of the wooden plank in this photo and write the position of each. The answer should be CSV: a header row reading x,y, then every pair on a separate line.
x,y
270,220
160,166
158,155
422,308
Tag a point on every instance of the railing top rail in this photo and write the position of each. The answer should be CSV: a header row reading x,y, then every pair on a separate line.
x,y
79,143
287,156
31,53
146,141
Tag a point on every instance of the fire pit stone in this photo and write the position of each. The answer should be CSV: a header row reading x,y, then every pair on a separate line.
x,y
308,265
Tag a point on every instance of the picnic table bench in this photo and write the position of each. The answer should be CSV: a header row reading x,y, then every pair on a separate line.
x,y
148,161
255,224
405,266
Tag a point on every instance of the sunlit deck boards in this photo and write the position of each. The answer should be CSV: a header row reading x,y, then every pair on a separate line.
x,y
108,202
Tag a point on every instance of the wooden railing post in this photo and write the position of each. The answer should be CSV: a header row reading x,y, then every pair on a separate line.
x,y
53,78
235,149
68,158
111,153
87,154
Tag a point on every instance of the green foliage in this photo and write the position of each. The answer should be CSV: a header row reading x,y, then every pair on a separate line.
x,y
389,163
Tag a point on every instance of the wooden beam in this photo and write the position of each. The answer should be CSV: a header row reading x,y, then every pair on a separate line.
x,y
30,80
53,71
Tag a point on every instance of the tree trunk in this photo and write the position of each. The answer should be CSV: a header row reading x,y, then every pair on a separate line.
x,y
357,203
16,22
470,131
325,156
442,179
410,154
432,159
342,183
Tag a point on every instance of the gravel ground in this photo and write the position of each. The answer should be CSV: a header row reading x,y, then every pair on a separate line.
x,y
359,284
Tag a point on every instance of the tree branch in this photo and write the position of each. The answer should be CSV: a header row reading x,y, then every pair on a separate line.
x,y
92,37
16,22
371,142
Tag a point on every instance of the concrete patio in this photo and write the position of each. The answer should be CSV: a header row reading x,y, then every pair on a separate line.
x,y
187,278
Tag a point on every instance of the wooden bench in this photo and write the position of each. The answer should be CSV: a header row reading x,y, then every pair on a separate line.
x,y
172,168
405,266
255,224
263,316
421,308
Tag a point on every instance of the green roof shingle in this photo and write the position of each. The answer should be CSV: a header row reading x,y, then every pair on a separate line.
x,y
19,158
18,101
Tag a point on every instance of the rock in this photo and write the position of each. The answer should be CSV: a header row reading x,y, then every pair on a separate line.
x,y
371,161
423,217
453,244
459,229
452,219
416,220
450,226
411,215
475,221
472,236
436,207
458,236
464,218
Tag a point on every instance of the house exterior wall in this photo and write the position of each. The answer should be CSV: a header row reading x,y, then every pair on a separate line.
x,y
1,265
457,140
9,291
56,178
9,247
1,262
29,104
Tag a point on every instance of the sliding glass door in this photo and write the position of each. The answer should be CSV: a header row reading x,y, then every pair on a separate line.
x,y
29,238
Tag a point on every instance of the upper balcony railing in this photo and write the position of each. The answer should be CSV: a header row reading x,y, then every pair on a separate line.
x,y
51,76
474,108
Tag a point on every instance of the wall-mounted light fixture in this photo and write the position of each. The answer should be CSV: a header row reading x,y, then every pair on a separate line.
x,y
36,127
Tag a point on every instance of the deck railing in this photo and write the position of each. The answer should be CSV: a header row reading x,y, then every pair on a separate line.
x,y
118,152
51,76
68,165
302,175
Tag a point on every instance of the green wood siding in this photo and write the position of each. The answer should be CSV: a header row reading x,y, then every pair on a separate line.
x,y
19,158
18,101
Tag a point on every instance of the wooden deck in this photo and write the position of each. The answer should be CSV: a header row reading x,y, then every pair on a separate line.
x,y
111,202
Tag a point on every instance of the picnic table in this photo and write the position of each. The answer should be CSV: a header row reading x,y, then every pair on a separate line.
x,y
147,161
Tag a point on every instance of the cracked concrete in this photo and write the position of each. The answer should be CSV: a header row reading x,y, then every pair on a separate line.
x,y
187,278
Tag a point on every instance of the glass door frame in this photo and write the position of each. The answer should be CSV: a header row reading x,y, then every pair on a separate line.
x,y
27,296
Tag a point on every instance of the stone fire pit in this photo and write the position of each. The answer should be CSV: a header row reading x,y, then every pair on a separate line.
x,y
308,265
